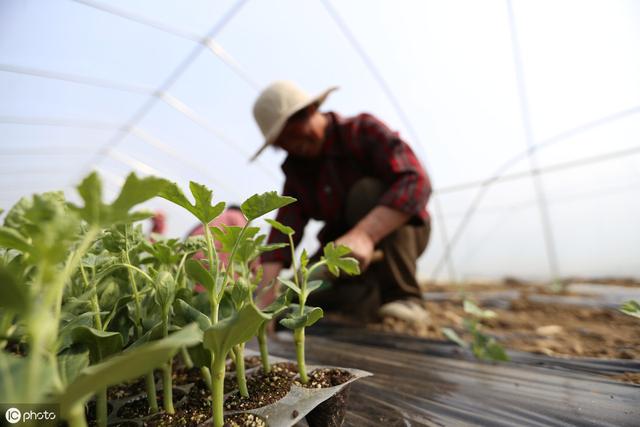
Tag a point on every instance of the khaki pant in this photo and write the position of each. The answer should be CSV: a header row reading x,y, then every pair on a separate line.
x,y
392,278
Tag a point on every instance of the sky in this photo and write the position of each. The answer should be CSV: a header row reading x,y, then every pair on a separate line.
x,y
470,85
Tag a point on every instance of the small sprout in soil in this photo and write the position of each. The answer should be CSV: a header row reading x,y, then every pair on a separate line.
x,y
631,308
300,316
482,346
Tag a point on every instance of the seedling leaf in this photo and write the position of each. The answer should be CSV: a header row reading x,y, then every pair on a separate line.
x,y
334,256
133,192
632,308
261,204
186,314
295,321
165,290
197,272
289,284
126,366
280,227
272,247
471,308
13,294
453,336
230,234
10,238
279,305
101,344
65,338
202,209
71,363
236,329
313,285
13,371
90,189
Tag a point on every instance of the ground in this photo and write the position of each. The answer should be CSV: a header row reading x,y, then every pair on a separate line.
x,y
533,318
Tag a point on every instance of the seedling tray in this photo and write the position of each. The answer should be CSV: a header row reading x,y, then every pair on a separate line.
x,y
289,410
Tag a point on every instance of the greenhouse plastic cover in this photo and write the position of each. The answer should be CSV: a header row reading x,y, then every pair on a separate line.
x,y
525,114
424,382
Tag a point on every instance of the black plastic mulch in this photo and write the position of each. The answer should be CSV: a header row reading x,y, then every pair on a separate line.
x,y
426,382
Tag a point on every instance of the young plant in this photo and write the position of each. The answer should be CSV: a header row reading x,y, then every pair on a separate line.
x,y
247,249
126,365
168,265
51,241
223,335
205,212
631,308
125,245
483,346
300,315
273,311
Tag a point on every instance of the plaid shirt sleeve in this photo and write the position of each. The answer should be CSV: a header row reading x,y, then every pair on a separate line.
x,y
293,216
394,161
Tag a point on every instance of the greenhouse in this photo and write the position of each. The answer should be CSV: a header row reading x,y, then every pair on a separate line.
x,y
322,213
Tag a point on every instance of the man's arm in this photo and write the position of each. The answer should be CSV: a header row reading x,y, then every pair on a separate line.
x,y
393,162
375,226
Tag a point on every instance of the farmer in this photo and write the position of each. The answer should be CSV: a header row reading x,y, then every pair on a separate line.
x,y
368,187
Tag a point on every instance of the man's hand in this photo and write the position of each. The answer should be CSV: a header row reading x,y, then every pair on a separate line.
x,y
366,234
360,244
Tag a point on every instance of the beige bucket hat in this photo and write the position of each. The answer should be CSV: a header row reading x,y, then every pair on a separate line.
x,y
279,101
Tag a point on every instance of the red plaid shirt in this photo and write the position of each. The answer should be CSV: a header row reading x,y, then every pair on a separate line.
x,y
355,147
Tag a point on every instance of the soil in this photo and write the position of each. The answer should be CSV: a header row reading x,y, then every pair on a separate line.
x,y
554,329
183,375
185,416
244,420
264,389
139,407
331,412
547,328
326,377
289,369
122,391
194,410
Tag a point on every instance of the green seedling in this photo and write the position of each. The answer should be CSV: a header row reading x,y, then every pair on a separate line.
x,y
126,246
52,237
248,248
229,333
96,304
482,346
205,212
168,258
275,309
122,367
301,316
631,308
